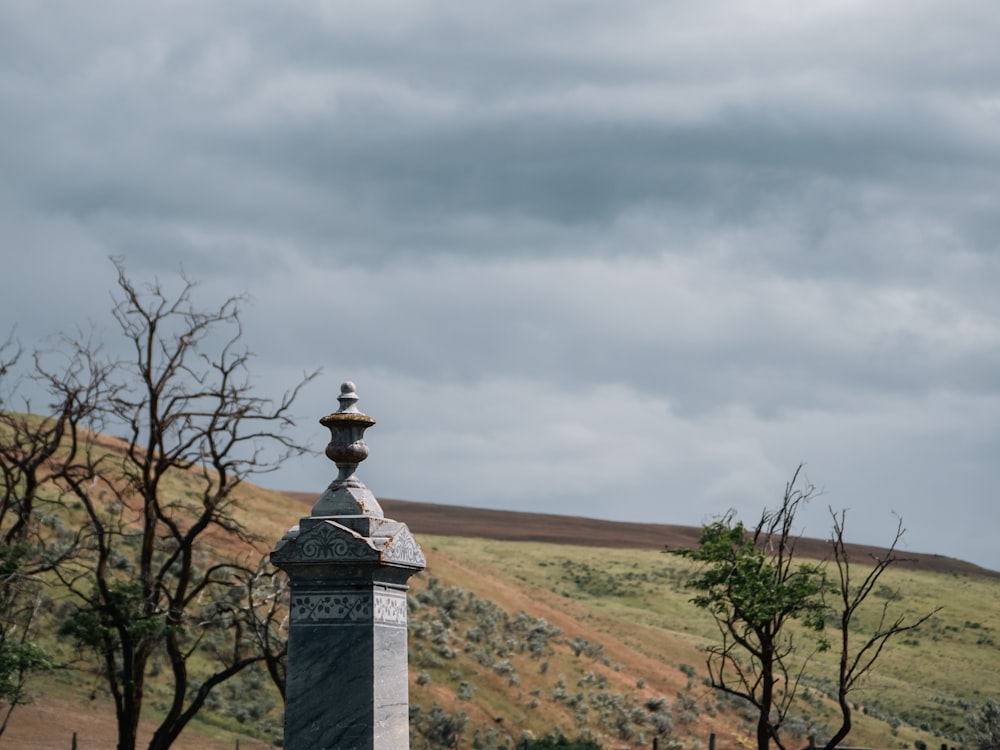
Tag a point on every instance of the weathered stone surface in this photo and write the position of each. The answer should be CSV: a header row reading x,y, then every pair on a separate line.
x,y
347,500
349,539
347,676
348,566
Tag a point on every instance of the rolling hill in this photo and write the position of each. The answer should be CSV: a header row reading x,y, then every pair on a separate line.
x,y
461,521
607,584
528,625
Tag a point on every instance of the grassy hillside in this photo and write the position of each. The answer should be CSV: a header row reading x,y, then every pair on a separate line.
x,y
625,617
512,639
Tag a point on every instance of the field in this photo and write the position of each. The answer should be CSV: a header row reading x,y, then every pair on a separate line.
x,y
630,605
527,625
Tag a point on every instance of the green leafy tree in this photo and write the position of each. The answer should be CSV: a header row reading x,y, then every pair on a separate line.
x,y
771,609
754,587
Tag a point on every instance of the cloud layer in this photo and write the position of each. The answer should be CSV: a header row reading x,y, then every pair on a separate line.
x,y
634,260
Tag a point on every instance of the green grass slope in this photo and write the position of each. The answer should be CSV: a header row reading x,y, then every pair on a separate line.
x,y
516,639
630,638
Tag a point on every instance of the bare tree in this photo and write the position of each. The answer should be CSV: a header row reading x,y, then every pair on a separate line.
x,y
856,661
755,586
267,614
165,575
33,538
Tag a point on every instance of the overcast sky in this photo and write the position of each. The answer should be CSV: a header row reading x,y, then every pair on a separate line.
x,y
631,260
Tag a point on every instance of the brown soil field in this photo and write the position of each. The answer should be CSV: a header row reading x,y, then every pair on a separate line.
x,y
454,520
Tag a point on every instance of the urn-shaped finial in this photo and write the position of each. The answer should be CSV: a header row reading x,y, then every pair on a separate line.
x,y
347,495
347,427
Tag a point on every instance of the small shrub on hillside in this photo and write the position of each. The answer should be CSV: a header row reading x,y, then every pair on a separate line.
x,y
984,726
503,667
434,729
657,703
888,593
687,708
559,742
559,691
489,740
585,647
662,721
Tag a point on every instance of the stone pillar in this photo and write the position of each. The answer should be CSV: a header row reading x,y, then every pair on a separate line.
x,y
348,566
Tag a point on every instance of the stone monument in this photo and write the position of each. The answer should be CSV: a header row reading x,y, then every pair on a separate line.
x,y
347,566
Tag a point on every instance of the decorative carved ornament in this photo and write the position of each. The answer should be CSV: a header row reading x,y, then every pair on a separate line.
x,y
404,550
347,608
331,542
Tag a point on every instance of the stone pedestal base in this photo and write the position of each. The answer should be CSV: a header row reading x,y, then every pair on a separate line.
x,y
347,658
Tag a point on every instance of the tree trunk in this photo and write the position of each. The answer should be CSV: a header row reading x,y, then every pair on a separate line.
x,y
766,692
845,722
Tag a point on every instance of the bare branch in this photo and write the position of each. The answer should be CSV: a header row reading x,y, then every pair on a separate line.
x,y
150,517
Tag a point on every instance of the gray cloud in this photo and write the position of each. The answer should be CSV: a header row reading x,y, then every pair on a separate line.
x,y
578,257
